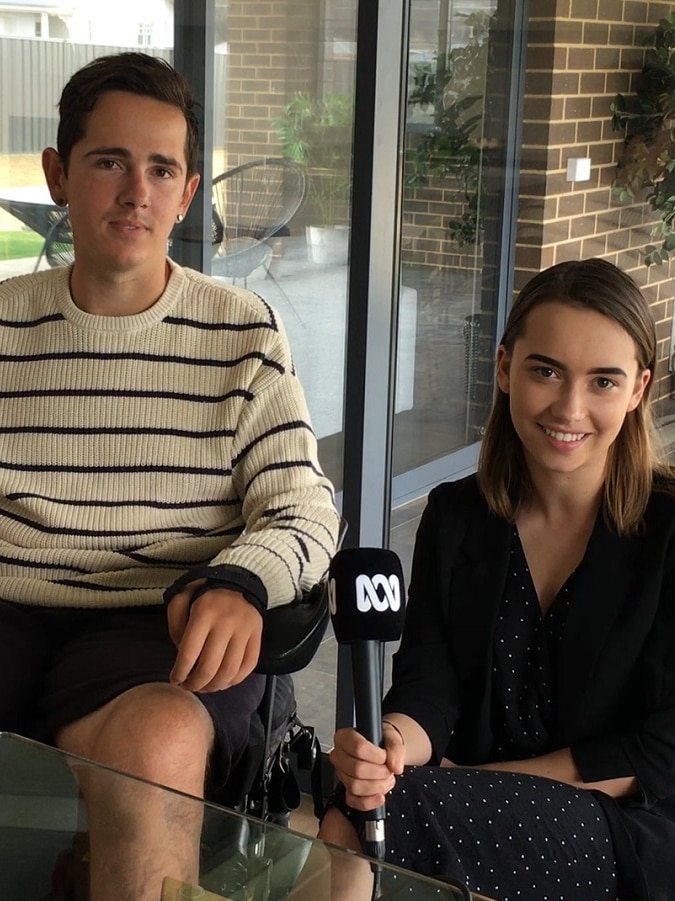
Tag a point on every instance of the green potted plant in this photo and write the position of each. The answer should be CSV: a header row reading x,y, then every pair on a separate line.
x,y
647,119
316,132
445,119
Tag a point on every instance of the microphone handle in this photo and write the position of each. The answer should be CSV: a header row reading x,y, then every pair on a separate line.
x,y
367,678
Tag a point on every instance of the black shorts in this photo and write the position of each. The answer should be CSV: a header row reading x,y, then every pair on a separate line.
x,y
57,665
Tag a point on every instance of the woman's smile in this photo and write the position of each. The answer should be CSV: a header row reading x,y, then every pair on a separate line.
x,y
564,437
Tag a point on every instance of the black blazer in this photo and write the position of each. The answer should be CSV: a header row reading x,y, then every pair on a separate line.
x,y
616,671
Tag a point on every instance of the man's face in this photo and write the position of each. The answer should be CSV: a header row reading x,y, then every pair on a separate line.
x,y
126,183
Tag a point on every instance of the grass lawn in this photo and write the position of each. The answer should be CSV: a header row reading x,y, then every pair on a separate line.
x,y
17,244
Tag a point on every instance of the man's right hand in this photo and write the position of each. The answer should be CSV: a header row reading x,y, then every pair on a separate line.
x,y
218,637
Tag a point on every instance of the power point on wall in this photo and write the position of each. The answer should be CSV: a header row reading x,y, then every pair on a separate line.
x,y
579,168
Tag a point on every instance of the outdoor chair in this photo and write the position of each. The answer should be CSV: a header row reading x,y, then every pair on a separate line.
x,y
58,247
37,215
253,204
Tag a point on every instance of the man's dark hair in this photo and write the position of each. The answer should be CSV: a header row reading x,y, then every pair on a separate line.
x,y
133,73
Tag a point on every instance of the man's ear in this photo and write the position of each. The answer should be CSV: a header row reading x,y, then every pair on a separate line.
x,y
191,186
503,369
54,171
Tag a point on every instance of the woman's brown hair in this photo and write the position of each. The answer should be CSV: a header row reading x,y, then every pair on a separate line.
x,y
633,461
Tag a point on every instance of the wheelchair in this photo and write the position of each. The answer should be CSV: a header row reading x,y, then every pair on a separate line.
x,y
264,785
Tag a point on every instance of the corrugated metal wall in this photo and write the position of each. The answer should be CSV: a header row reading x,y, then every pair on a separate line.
x,y
32,74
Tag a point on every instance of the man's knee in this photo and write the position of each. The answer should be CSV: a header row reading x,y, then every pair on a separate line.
x,y
156,731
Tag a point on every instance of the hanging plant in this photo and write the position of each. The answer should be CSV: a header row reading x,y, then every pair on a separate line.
x,y
647,119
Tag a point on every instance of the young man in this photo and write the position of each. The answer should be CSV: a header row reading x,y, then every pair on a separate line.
x,y
159,483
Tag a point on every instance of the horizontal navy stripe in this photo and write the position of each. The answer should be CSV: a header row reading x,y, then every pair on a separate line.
x,y
113,430
48,467
163,563
220,326
118,392
143,357
13,561
130,502
31,323
184,530
292,517
251,542
275,430
286,464
105,533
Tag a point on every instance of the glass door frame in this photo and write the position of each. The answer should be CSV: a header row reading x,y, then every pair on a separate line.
x,y
373,301
374,274
370,378
417,482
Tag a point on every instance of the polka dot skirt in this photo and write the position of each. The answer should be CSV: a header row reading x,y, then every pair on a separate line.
x,y
507,836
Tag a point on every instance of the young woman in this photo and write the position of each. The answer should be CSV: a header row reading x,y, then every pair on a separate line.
x,y
529,734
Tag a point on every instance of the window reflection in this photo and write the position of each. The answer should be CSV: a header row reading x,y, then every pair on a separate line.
x,y
286,104
40,51
443,226
284,89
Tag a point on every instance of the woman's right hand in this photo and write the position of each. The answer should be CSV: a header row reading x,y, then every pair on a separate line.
x,y
367,771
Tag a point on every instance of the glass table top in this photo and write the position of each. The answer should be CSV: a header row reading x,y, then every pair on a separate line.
x,y
74,830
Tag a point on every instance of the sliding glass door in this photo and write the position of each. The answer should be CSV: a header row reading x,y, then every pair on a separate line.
x,y
359,173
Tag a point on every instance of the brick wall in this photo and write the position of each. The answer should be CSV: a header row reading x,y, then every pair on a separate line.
x,y
273,51
426,238
580,54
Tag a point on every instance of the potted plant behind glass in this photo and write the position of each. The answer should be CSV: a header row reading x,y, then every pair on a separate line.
x,y
446,103
647,119
316,132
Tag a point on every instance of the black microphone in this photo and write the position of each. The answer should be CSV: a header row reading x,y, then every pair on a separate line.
x,y
366,600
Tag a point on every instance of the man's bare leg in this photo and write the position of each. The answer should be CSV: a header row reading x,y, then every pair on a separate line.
x,y
139,834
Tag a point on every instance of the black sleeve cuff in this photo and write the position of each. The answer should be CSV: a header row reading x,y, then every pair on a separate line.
x,y
233,577
601,758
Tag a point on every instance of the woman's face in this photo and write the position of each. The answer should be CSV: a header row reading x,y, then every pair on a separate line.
x,y
572,378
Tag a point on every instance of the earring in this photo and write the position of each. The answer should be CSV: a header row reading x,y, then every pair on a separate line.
x,y
179,217
59,201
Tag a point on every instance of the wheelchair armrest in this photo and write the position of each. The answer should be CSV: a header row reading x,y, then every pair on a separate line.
x,y
293,632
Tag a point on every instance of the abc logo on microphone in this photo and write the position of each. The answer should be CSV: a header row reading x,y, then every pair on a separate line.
x,y
378,592
365,595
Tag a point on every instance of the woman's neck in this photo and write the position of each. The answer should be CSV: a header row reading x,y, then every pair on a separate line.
x,y
561,502
555,494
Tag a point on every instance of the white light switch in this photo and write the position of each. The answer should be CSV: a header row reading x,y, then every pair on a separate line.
x,y
579,168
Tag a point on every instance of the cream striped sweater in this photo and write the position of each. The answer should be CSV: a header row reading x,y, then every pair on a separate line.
x,y
135,449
